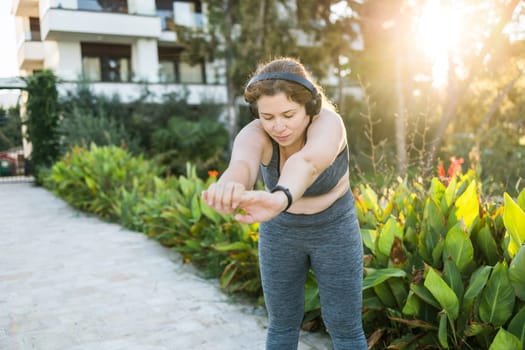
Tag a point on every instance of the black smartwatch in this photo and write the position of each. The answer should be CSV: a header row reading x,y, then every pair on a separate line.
x,y
286,192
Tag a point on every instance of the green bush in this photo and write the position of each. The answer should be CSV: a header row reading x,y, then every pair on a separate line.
x,y
177,217
444,269
96,179
172,131
110,182
42,120
81,128
198,142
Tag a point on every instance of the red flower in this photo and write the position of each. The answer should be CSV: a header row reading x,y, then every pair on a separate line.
x,y
213,173
453,170
441,170
455,166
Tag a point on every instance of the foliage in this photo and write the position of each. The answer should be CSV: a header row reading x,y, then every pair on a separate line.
x,y
177,217
110,182
81,129
42,120
444,266
189,141
145,126
95,179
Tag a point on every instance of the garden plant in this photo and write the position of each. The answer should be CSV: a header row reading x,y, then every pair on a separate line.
x,y
444,266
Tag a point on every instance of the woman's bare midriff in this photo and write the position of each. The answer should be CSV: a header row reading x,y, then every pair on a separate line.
x,y
312,205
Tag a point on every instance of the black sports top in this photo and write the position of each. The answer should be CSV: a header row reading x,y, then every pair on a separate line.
x,y
323,184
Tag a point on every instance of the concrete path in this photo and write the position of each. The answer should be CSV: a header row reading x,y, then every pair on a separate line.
x,y
69,281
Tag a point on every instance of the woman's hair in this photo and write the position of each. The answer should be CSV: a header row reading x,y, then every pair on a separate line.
x,y
270,87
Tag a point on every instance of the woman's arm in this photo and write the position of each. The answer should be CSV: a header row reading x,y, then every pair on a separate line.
x,y
325,138
241,174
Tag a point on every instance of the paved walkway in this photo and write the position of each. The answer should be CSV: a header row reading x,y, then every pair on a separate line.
x,y
69,281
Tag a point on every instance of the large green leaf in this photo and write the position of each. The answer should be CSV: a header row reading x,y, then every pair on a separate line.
x,y
386,296
452,276
210,213
386,237
376,277
517,325
458,247
497,299
312,300
467,206
424,294
442,332
370,199
450,196
487,245
445,296
196,208
399,289
514,220
517,273
369,237
436,190
477,282
412,305
505,341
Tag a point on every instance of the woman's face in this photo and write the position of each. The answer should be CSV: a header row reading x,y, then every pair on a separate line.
x,y
283,119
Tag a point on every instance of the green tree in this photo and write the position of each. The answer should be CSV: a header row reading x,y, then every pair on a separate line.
x,y
10,128
42,120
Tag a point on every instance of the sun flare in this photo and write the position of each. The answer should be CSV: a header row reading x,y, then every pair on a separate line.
x,y
438,29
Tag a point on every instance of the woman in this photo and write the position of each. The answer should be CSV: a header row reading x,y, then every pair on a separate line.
x,y
307,215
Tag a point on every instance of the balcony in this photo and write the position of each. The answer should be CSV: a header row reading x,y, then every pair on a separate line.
x,y
93,25
31,55
115,6
25,8
129,92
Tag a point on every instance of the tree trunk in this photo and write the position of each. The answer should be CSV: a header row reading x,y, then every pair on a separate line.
x,y
231,110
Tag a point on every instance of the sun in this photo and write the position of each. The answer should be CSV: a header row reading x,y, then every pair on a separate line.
x,y
438,30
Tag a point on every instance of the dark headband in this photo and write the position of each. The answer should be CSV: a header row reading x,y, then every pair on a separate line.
x,y
284,76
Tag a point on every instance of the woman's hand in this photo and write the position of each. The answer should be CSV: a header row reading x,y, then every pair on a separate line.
x,y
224,197
259,206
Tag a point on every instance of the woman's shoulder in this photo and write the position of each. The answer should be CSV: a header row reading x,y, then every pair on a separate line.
x,y
328,119
255,130
252,136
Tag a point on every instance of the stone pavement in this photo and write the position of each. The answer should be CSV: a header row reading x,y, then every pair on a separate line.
x,y
69,281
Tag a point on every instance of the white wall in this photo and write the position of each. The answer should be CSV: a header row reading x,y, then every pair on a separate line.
x,y
64,58
142,7
145,61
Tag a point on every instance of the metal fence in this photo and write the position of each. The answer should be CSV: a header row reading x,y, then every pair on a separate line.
x,y
14,168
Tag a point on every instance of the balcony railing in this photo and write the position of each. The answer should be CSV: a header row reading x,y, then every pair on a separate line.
x,y
117,6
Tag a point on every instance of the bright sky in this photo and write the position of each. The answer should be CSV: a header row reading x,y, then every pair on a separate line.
x,y
8,64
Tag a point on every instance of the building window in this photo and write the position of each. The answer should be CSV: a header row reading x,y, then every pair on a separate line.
x,y
173,70
34,28
105,62
186,13
118,6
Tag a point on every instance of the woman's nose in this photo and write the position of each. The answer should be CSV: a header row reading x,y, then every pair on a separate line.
x,y
279,125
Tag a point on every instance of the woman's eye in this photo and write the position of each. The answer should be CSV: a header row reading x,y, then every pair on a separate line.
x,y
288,115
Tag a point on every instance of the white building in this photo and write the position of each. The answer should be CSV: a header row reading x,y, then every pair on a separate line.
x,y
116,45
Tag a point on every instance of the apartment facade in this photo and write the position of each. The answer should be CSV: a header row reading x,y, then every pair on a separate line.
x,y
117,46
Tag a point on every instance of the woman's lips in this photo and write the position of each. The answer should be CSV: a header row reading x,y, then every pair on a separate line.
x,y
281,138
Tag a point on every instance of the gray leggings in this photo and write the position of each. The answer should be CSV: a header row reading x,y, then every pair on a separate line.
x,y
330,243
